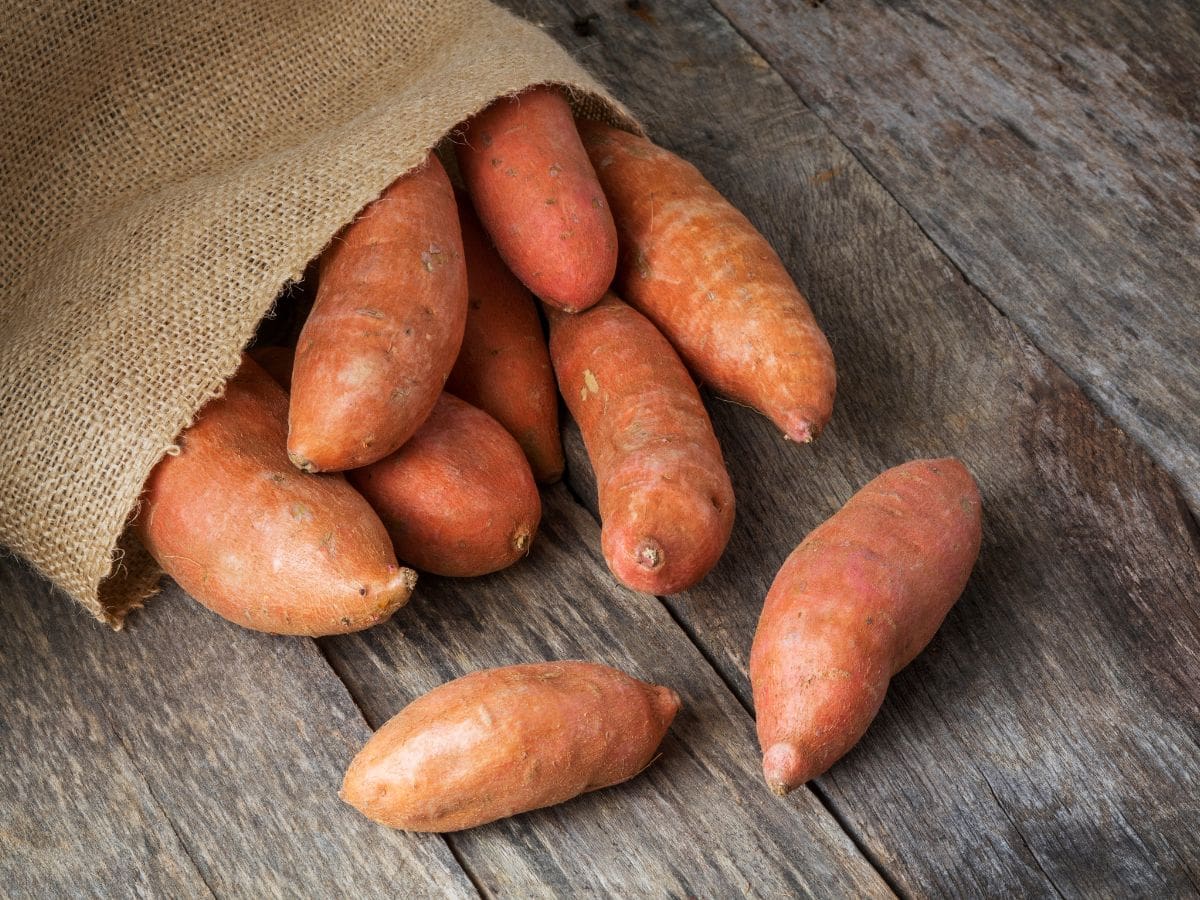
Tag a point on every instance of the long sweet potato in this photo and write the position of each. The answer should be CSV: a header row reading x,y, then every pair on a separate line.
x,y
504,366
666,503
536,193
458,498
385,328
504,741
258,542
853,605
712,284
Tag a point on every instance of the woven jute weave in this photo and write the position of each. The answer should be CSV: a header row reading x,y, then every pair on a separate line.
x,y
165,167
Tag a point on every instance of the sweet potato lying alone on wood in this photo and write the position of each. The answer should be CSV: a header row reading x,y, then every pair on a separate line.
x,y
504,741
853,605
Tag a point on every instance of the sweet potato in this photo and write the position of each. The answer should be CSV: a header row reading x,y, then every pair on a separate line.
x,y
666,504
702,273
385,328
504,366
853,605
258,542
276,362
458,498
537,196
504,741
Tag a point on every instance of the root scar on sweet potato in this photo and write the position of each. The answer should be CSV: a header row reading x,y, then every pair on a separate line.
x,y
666,503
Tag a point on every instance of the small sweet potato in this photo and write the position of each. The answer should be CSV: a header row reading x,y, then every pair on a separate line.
x,y
666,503
852,606
538,198
385,328
458,498
504,366
705,276
258,542
504,741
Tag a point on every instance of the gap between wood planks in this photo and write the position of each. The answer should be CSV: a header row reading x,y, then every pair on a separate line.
x,y
187,851
1189,517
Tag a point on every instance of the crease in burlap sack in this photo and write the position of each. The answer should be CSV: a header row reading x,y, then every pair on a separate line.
x,y
165,167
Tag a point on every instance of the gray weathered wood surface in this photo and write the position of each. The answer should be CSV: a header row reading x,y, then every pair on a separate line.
x,y
182,757
1048,741
1052,151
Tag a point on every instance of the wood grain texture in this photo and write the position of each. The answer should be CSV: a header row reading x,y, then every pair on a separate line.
x,y
696,823
184,757
1046,742
1053,152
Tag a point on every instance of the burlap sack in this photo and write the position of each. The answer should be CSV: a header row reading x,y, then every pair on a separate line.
x,y
165,167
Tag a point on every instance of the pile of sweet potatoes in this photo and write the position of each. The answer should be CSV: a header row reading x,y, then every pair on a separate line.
x,y
419,410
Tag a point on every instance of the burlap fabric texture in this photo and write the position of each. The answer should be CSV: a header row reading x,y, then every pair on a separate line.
x,y
165,167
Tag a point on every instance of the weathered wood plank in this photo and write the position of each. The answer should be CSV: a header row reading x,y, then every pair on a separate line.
x,y
696,823
1053,152
184,757
1047,740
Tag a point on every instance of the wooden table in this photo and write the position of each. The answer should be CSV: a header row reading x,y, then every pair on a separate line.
x,y
995,209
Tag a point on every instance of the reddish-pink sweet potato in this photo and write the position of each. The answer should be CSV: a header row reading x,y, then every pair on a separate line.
x,y
503,741
385,328
705,276
458,498
538,198
258,542
666,503
853,605
504,365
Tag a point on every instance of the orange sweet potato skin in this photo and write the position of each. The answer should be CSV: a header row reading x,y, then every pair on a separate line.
x,y
258,542
666,503
458,498
704,275
504,741
504,366
385,328
857,600
535,192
